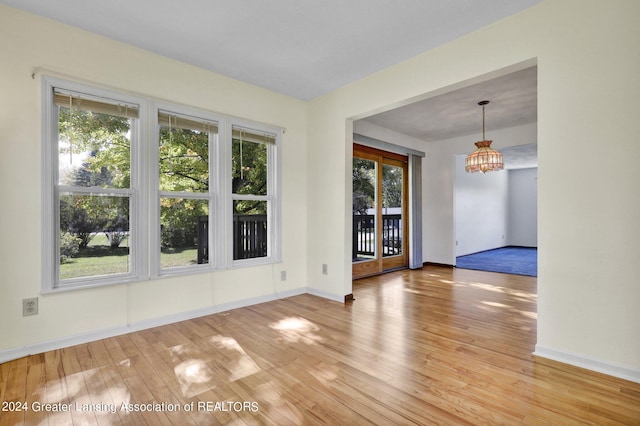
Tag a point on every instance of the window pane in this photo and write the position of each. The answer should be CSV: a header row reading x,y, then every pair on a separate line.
x,y
364,209
93,149
184,232
94,236
249,166
391,210
184,158
249,229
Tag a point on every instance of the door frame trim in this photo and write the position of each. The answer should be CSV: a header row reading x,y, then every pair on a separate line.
x,y
383,264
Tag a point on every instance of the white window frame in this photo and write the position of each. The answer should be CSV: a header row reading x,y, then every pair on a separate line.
x,y
51,190
212,195
219,195
272,198
145,194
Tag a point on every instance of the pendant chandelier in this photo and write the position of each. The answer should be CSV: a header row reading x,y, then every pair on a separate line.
x,y
484,158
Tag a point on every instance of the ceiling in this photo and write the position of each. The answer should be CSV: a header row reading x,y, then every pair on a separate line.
x,y
512,102
306,49
301,48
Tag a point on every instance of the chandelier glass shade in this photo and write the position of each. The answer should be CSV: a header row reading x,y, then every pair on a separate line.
x,y
484,158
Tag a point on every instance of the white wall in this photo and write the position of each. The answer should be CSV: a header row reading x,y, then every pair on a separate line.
x,y
522,210
495,209
27,42
365,128
439,191
480,209
585,50
588,288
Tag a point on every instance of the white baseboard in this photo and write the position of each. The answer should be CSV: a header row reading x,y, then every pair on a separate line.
x,y
605,367
325,295
77,339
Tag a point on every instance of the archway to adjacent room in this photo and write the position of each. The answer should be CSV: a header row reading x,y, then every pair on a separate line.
x,y
496,221
444,124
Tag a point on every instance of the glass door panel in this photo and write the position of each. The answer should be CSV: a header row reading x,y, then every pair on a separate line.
x,y
379,211
365,194
394,213
391,210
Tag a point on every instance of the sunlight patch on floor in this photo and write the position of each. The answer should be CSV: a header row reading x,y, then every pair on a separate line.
x,y
72,390
192,371
280,409
240,364
297,329
527,314
60,390
496,304
500,289
224,342
194,376
325,373
196,373
75,382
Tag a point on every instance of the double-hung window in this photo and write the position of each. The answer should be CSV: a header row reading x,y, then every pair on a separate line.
x,y
186,183
92,185
253,189
216,183
134,188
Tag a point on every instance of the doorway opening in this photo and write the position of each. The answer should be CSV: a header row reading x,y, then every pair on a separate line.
x,y
379,231
496,220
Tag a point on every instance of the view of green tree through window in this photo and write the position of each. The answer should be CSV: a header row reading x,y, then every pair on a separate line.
x,y
391,210
249,188
100,226
184,186
94,174
134,188
364,178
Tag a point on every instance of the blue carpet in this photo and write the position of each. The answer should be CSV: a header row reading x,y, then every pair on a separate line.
x,y
508,260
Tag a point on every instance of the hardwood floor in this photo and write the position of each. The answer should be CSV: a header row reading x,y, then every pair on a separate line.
x,y
436,346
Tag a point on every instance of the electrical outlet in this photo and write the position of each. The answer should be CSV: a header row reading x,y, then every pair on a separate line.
x,y
29,306
325,269
283,275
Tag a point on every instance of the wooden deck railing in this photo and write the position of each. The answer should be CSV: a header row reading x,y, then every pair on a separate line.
x,y
363,239
249,237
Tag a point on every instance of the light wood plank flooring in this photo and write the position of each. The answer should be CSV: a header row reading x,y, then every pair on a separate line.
x,y
436,346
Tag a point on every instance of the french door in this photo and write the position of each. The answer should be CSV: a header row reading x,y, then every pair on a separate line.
x,y
379,241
